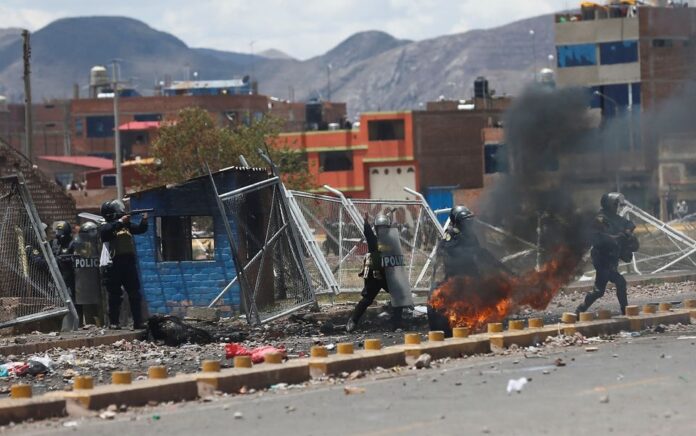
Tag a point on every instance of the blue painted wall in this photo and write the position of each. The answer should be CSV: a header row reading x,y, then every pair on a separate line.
x,y
439,198
170,287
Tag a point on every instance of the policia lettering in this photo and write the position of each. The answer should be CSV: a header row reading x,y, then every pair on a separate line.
x,y
383,269
122,272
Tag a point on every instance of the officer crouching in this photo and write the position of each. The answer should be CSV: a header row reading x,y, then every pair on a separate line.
x,y
382,269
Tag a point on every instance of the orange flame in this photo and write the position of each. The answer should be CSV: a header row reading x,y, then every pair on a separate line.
x,y
474,302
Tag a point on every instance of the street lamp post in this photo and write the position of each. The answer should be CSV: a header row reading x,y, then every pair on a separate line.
x,y
117,133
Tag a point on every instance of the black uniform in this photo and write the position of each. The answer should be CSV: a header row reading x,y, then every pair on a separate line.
x,y
375,279
122,272
612,239
62,249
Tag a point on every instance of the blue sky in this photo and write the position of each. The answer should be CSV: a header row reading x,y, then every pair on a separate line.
x,y
301,28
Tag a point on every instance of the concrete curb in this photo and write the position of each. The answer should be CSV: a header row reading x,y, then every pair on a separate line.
x,y
261,376
18,410
179,388
361,360
65,343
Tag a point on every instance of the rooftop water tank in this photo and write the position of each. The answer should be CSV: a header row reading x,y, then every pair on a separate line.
x,y
98,76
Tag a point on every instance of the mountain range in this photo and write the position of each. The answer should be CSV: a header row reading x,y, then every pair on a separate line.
x,y
370,70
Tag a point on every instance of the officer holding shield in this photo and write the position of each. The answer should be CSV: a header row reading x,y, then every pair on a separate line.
x,y
88,295
383,269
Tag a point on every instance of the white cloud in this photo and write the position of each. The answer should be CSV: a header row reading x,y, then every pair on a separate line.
x,y
300,28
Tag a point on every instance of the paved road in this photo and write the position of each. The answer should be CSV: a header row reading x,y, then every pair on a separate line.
x,y
648,381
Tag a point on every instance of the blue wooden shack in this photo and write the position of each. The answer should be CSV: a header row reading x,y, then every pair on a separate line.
x,y
185,258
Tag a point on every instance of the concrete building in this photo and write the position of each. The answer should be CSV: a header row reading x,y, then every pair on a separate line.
x,y
631,59
441,151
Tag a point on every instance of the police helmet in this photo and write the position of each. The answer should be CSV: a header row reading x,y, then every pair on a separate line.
x,y
611,201
113,210
382,220
62,229
459,214
88,228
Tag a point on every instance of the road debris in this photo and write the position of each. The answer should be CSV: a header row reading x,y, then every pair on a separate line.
x,y
350,390
423,361
517,385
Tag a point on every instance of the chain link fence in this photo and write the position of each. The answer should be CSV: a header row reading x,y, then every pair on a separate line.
x,y
269,259
31,287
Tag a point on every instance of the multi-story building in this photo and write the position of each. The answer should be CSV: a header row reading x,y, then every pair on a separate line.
x,y
633,60
441,151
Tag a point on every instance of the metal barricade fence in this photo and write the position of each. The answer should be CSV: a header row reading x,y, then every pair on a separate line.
x,y
662,246
336,224
31,287
269,258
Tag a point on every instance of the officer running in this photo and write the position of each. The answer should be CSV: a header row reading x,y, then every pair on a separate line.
x,y
117,233
383,269
612,239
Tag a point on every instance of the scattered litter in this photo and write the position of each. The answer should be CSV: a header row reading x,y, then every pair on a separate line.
x,y
68,359
107,415
330,346
420,310
604,399
155,417
423,361
356,375
350,390
660,328
238,415
591,349
629,334
70,424
681,338
517,384
257,354
559,362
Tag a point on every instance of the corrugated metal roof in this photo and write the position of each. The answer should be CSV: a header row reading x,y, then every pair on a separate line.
x,y
192,84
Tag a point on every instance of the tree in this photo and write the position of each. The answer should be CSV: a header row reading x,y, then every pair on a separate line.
x,y
186,144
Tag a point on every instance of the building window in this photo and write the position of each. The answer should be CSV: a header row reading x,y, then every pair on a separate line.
x,y
108,180
579,55
79,126
100,126
495,159
335,161
385,130
619,52
185,238
662,43
147,117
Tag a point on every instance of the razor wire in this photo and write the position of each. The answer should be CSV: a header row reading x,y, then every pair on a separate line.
x,y
31,287
269,260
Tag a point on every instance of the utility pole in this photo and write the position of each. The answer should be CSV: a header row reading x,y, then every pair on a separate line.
x,y
28,126
328,81
117,133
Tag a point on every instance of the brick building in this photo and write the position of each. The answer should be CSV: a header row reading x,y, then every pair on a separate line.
x,y
438,151
632,59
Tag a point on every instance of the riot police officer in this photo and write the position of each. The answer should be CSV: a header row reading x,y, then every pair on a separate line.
x,y
117,233
462,255
612,239
382,269
61,246
88,293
